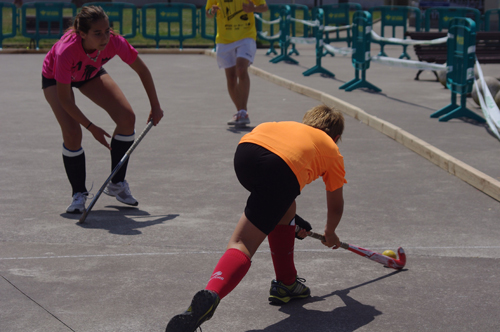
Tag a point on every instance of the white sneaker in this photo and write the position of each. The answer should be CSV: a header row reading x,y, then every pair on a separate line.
x,y
78,204
121,192
239,119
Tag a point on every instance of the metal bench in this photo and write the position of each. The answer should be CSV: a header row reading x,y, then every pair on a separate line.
x,y
487,47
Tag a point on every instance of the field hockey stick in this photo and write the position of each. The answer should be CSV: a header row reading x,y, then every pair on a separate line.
x,y
387,261
115,170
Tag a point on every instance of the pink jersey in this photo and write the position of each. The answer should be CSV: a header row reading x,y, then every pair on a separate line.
x,y
67,61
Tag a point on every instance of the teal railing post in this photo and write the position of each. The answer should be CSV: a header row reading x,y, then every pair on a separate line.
x,y
12,7
115,11
361,32
49,13
338,15
170,14
396,16
293,27
284,37
318,33
460,62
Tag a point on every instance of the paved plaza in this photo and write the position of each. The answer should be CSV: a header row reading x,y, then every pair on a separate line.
x,y
132,269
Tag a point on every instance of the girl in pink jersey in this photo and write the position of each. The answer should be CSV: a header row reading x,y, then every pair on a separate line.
x,y
76,60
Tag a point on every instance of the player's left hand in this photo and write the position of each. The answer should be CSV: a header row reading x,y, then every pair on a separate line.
x,y
155,115
248,7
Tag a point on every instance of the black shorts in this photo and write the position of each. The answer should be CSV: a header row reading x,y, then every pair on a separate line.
x,y
46,82
272,184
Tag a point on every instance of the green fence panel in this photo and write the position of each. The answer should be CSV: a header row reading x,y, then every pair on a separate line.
x,y
204,26
396,16
115,12
460,61
171,15
317,14
4,6
361,41
487,19
274,14
339,15
296,8
48,21
284,38
446,14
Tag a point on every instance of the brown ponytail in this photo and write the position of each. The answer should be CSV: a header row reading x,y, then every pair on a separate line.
x,y
86,17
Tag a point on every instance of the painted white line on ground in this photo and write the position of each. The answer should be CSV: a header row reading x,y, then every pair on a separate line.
x,y
221,252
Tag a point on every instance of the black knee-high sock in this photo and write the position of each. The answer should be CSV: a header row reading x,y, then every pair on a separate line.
x,y
119,146
74,164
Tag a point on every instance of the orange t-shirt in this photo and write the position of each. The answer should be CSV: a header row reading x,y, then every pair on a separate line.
x,y
309,152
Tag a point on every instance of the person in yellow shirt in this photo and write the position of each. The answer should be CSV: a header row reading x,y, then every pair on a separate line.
x,y
236,47
274,162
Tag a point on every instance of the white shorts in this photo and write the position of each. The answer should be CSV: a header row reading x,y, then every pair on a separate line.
x,y
227,53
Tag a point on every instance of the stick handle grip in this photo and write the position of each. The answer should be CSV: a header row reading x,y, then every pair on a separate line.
x,y
115,170
322,238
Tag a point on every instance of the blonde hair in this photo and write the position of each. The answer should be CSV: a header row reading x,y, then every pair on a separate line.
x,y
325,118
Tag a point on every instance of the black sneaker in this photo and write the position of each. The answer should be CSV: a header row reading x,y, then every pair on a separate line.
x,y
202,309
282,294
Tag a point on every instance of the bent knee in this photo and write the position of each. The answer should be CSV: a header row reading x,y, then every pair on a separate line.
x,y
126,119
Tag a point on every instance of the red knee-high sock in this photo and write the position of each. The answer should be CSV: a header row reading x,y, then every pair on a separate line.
x,y
281,242
228,272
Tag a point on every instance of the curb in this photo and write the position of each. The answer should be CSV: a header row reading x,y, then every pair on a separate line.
x,y
468,174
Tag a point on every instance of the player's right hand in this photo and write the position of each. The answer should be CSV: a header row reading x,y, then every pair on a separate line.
x,y
100,135
331,240
215,8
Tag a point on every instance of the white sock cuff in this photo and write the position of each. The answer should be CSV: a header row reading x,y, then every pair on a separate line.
x,y
70,153
125,138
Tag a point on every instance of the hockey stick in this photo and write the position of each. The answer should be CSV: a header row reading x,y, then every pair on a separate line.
x,y
115,170
397,264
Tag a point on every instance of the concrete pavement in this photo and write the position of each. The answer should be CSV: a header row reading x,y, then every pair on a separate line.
x,y
132,269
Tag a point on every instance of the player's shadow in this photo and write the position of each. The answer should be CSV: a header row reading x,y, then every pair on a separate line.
x,y
350,317
126,222
240,129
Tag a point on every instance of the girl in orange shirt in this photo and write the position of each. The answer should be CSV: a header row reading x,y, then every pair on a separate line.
x,y
274,162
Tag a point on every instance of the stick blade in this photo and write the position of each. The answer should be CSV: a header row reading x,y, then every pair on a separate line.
x,y
83,217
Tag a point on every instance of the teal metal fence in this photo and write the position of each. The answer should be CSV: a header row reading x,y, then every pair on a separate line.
x,y
116,12
171,15
4,9
45,20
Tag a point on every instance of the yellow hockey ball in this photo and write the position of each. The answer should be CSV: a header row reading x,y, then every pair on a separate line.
x,y
390,253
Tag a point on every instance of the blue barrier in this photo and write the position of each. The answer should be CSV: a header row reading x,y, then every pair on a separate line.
x,y
361,33
115,11
487,19
5,5
284,38
318,33
305,16
460,62
338,15
396,16
446,14
48,22
172,15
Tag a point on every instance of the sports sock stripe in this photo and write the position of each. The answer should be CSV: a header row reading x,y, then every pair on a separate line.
x,y
125,138
71,153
